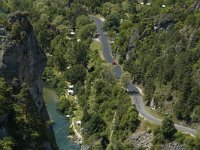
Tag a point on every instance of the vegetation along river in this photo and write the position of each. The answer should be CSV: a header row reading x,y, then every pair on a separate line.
x,y
61,123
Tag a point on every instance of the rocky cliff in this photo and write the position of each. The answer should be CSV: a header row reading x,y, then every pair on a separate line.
x,y
22,56
24,60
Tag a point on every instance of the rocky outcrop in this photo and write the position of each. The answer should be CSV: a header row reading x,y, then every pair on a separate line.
x,y
141,140
144,140
24,60
22,57
173,146
135,36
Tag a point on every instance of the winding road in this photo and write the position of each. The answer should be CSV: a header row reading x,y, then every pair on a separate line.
x,y
135,94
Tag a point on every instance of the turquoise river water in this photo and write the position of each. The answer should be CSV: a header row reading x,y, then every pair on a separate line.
x,y
61,123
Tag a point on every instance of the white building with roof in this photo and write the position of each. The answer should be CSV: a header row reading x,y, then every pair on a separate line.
x,y
70,90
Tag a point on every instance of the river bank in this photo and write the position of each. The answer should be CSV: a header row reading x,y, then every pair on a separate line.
x,y
61,123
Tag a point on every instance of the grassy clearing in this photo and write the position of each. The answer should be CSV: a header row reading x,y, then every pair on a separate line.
x,y
96,46
154,113
146,125
78,116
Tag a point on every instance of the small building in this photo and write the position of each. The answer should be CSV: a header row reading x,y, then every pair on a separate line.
x,y
72,33
163,6
71,87
112,42
155,28
143,2
67,116
49,55
70,90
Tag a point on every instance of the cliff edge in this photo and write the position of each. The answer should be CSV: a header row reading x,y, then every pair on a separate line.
x,y
22,57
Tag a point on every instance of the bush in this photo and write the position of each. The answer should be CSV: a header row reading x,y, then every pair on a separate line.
x,y
65,106
168,129
158,136
180,137
112,22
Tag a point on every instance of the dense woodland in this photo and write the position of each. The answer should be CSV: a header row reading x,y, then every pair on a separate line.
x,y
25,126
158,45
162,53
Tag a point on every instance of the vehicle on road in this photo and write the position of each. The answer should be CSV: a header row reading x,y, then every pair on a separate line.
x,y
114,62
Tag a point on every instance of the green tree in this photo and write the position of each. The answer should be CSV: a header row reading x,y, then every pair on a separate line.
x,y
79,54
125,79
167,128
82,21
75,73
65,106
196,114
112,22
86,31
94,124
7,143
192,143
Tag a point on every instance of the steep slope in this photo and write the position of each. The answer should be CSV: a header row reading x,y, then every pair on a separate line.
x,y
23,58
23,63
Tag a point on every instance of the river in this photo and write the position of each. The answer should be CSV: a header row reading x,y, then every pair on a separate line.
x,y
61,123
2,13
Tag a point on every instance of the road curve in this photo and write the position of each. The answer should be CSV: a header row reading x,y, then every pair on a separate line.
x,y
136,96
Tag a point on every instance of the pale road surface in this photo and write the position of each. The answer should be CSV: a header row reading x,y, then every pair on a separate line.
x,y
136,96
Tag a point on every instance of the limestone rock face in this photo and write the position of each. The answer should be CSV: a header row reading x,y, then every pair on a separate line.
x,y
22,57
196,5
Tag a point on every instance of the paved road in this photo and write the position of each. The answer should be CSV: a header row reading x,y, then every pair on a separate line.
x,y
136,96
